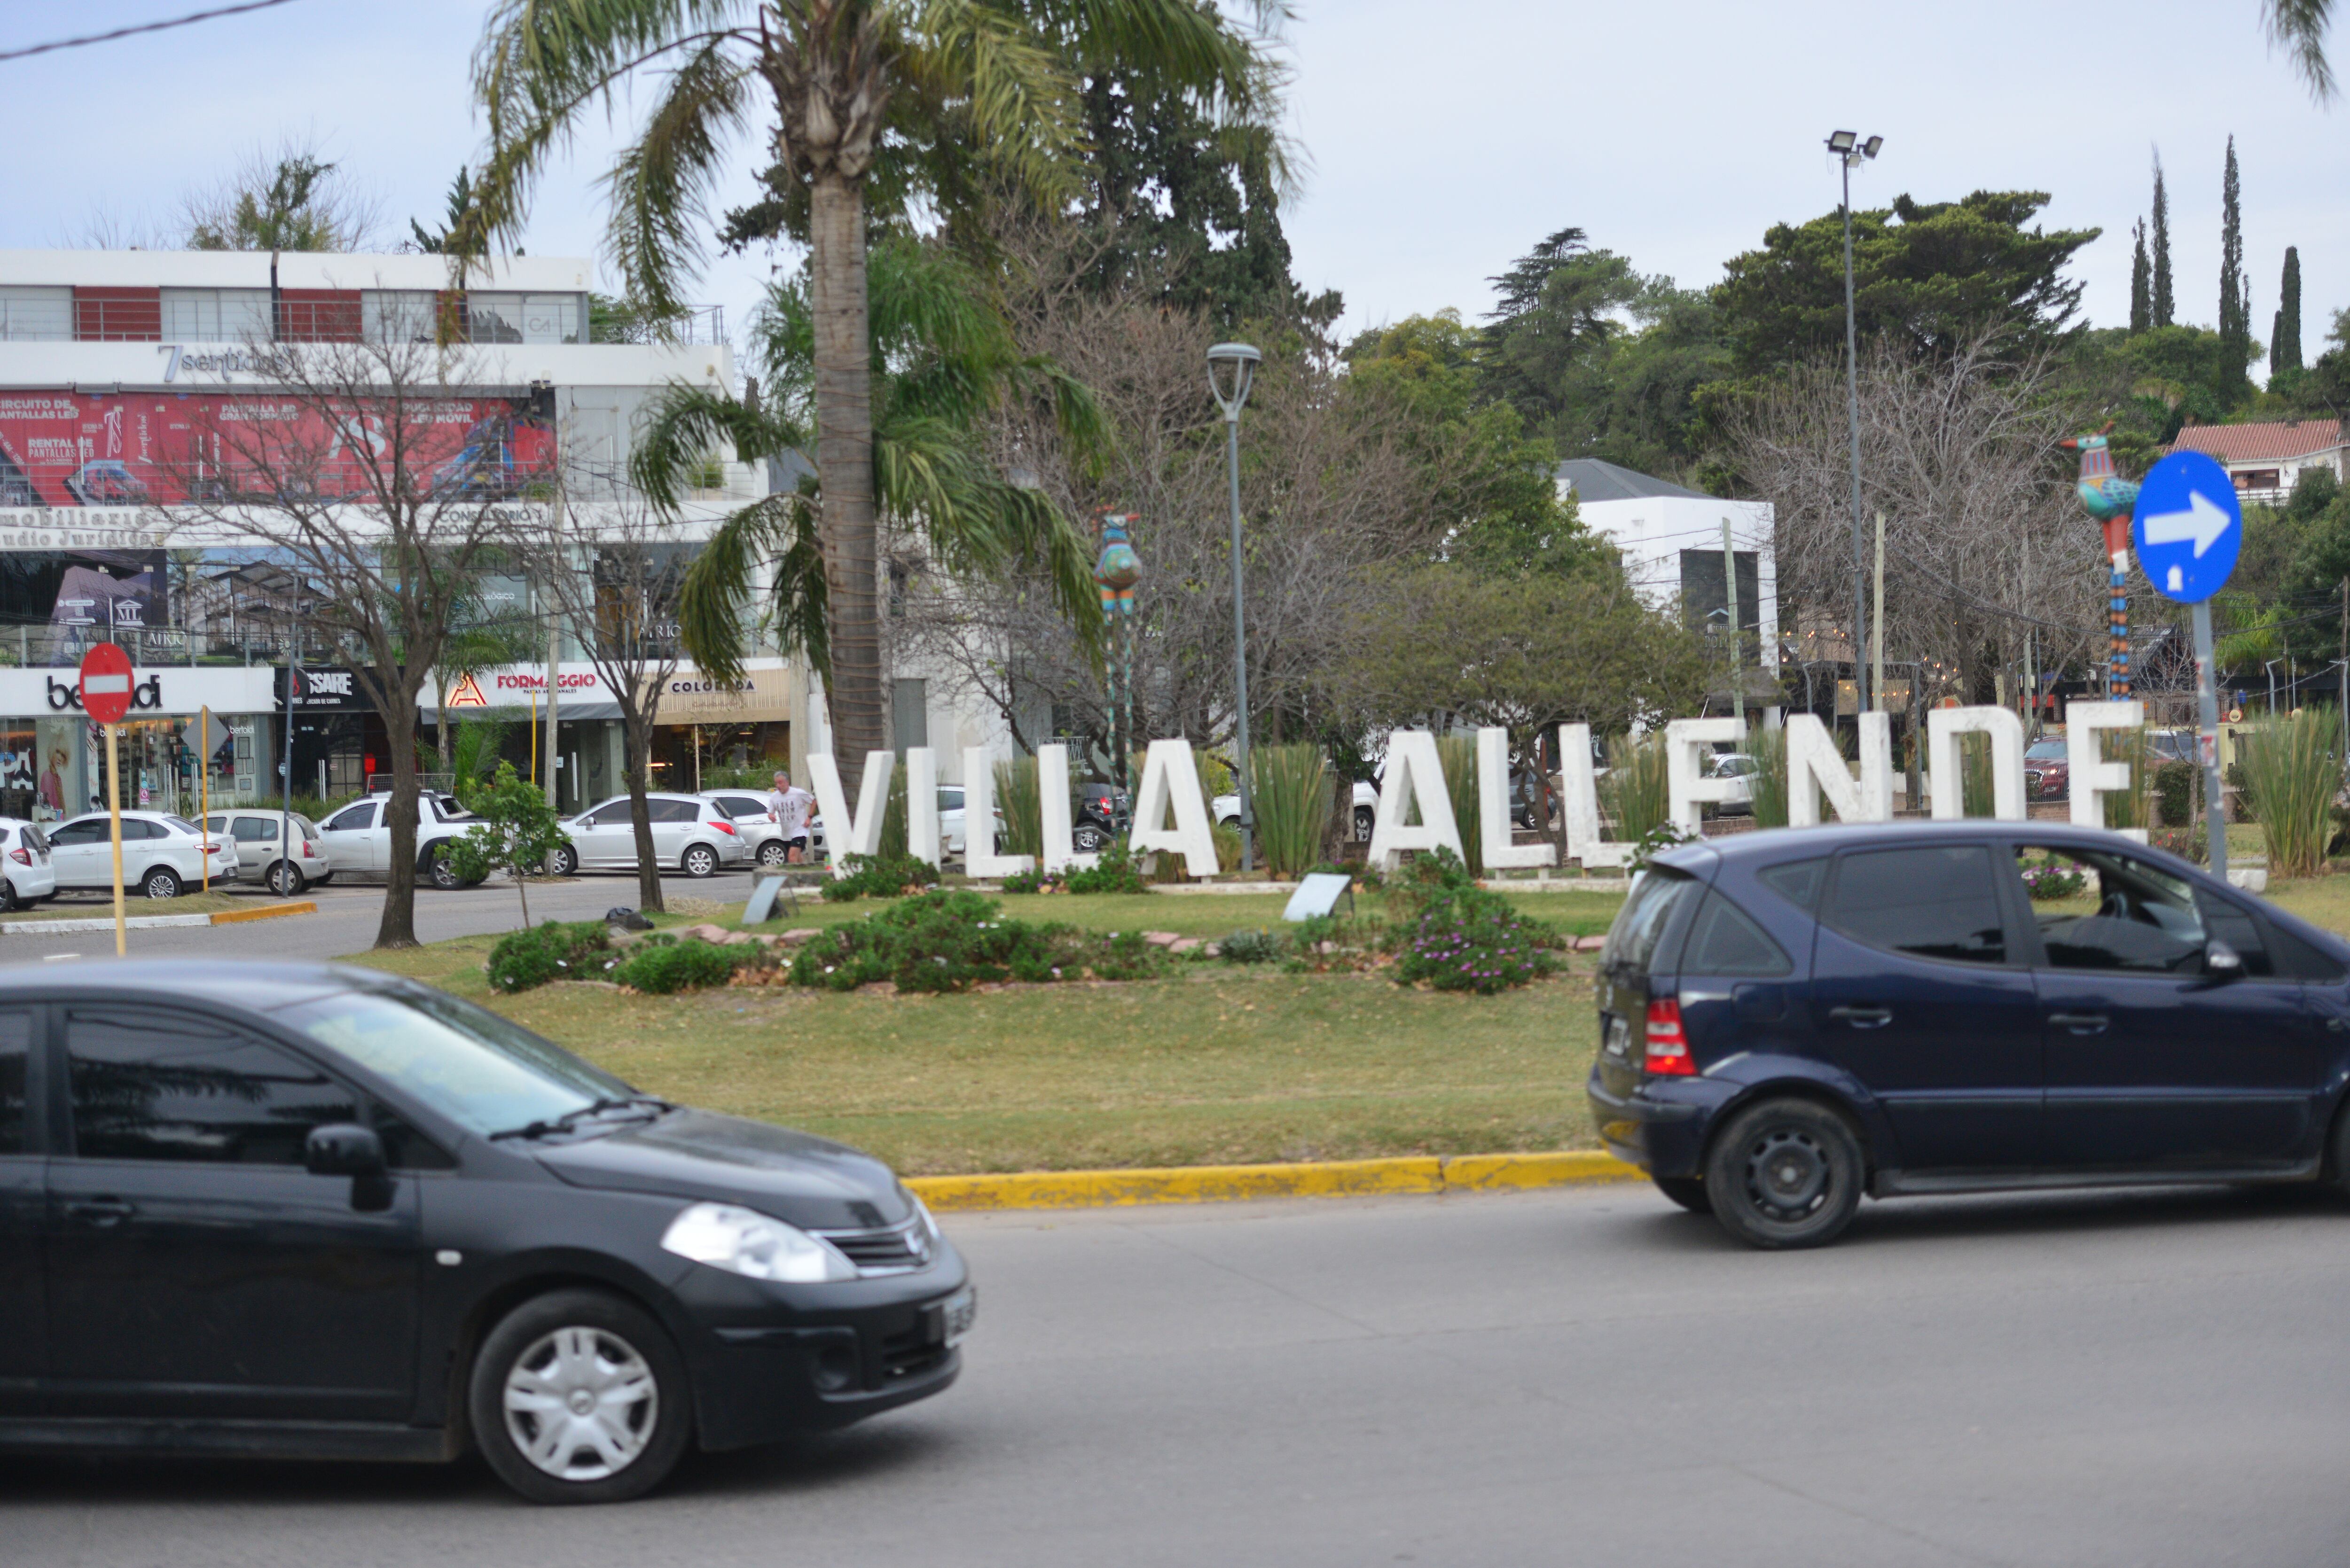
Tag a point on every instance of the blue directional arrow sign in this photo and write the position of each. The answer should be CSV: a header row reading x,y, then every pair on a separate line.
x,y
2188,527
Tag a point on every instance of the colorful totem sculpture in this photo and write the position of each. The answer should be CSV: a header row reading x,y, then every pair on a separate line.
x,y
1115,575
2111,500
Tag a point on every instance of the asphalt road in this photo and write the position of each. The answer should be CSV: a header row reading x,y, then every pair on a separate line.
x,y
347,917
1579,1376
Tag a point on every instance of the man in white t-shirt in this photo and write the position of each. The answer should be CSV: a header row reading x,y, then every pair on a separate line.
x,y
791,807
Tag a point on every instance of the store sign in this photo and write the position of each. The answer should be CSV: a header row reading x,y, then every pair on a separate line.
x,y
518,686
760,696
333,690
155,690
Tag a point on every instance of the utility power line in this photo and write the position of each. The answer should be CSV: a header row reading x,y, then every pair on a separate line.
x,y
141,28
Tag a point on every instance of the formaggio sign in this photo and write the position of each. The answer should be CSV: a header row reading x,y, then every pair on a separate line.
x,y
1170,813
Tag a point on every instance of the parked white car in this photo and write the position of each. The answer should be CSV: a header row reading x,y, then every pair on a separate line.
x,y
692,833
162,855
1740,769
1226,809
258,858
25,858
357,840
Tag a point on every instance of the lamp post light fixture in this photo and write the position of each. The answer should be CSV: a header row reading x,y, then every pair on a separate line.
x,y
1850,151
1232,368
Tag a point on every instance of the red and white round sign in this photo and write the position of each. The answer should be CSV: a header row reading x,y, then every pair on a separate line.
x,y
106,683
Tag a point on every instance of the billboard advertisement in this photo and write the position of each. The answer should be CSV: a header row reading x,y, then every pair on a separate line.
x,y
61,449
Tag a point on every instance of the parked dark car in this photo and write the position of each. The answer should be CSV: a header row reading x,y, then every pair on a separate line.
x,y
1791,1020
300,1211
1100,813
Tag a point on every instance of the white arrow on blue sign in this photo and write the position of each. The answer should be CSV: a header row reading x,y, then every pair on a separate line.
x,y
2188,527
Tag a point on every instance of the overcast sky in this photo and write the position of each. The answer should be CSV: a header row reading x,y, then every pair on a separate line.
x,y
1440,141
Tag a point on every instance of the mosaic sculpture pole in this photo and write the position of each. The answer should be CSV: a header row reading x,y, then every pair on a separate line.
x,y
2110,499
1115,575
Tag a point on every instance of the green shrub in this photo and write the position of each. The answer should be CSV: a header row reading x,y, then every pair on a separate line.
x,y
941,941
2132,807
1458,754
1295,793
554,950
2291,775
2190,843
1124,955
1253,947
1029,881
1117,871
1465,938
662,968
879,876
1636,793
1769,750
2174,793
1018,797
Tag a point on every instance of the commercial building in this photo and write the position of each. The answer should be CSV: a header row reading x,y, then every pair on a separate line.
x,y
112,366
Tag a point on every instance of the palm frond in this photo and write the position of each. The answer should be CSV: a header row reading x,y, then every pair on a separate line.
x,y
715,595
687,422
2298,27
664,181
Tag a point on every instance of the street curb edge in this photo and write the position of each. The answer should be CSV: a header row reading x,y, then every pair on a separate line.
x,y
269,912
1420,1174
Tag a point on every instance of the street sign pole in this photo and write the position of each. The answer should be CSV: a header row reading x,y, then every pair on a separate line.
x,y
105,683
114,812
2207,740
205,788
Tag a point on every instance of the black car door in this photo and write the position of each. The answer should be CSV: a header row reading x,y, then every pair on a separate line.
x,y
195,1266
2155,1060
24,1330
1918,991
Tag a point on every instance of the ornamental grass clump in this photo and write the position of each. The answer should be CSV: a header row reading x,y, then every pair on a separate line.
x,y
1293,791
1637,792
1021,799
1458,754
2292,774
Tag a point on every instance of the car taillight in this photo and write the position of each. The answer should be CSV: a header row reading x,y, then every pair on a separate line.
x,y
1668,1051
722,825
308,853
210,848
21,857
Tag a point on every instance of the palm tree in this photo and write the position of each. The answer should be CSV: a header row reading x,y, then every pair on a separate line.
x,y
913,92
2299,27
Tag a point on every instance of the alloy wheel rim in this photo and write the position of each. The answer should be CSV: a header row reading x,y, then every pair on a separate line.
x,y
1788,1175
701,863
581,1404
161,887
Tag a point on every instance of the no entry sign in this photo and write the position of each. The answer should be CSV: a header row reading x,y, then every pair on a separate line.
x,y
106,683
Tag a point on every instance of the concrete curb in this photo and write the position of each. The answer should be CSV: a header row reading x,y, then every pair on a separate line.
x,y
154,922
1419,1175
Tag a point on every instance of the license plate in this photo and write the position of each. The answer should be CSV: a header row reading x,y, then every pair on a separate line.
x,y
955,1315
1620,1037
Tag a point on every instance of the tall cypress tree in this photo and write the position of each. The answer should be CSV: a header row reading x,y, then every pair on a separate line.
x,y
2235,288
2284,338
2164,307
2141,284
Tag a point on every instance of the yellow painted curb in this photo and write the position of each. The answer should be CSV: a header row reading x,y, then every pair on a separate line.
x,y
268,912
1224,1183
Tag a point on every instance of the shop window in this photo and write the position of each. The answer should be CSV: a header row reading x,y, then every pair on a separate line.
x,y
398,314
522,318
216,315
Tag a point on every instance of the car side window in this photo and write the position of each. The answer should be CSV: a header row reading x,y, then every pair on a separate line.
x,y
253,829
1932,901
74,833
1798,881
132,827
175,1087
357,816
2100,910
2237,927
949,800
675,810
1724,940
15,1104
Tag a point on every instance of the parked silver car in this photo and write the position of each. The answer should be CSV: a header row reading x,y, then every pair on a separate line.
x,y
258,857
162,855
692,833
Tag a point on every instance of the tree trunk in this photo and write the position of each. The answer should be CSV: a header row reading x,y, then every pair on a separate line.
x,y
397,926
638,736
843,411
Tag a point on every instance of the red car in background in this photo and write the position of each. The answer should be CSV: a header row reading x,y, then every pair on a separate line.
x,y
2046,772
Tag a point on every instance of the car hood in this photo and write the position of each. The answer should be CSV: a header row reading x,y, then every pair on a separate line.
x,y
702,1155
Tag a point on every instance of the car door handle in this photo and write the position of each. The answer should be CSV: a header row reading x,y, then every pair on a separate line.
x,y
2339,1025
101,1214
1863,1017
2079,1023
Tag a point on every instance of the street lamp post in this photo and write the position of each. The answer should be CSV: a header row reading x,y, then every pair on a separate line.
x,y
1236,363
1849,149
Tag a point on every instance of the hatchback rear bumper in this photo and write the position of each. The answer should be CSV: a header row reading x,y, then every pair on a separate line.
x,y
1660,1124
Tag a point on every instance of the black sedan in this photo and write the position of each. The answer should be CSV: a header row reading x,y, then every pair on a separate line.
x,y
1791,1020
301,1210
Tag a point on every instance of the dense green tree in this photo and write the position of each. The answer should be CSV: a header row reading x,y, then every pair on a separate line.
x,y
2284,335
2235,287
1935,273
2141,281
2164,302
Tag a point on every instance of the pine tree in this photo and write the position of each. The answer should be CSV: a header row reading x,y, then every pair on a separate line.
x,y
2141,284
2235,293
2284,338
2164,309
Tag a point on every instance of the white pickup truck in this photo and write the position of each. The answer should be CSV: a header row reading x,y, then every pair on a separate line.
x,y
359,841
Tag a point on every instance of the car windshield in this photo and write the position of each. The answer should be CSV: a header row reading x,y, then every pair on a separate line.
x,y
463,1060
2045,750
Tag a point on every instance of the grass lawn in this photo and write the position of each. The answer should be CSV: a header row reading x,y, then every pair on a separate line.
x,y
1223,1063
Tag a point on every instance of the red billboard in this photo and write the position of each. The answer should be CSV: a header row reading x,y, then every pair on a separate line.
x,y
148,448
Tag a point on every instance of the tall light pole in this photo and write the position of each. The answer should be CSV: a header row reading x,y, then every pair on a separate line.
x,y
1849,149
1236,363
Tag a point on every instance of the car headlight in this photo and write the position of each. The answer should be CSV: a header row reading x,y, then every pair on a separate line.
x,y
745,1242
929,1227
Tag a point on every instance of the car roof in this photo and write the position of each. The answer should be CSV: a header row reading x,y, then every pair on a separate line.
x,y
1766,845
253,986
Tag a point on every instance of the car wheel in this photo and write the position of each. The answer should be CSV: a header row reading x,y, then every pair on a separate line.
x,y
773,853
443,875
1364,819
1785,1173
8,899
700,860
578,1396
567,860
162,882
1088,840
284,880
1686,1191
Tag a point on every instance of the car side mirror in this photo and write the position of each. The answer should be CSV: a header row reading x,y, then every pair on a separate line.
x,y
343,1148
2221,961
587,822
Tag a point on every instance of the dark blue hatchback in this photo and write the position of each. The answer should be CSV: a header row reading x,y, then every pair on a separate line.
x,y
1789,1020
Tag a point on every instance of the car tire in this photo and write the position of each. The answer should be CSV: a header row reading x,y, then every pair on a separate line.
x,y
284,878
9,902
1784,1174
1088,840
567,860
699,861
161,882
442,875
563,1350
1686,1191
1365,818
773,853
